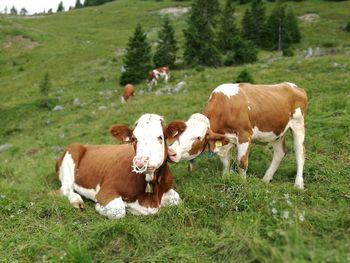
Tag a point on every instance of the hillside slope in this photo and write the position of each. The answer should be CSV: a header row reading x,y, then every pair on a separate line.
x,y
220,219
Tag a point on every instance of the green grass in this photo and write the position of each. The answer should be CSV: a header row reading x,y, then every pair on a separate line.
x,y
221,219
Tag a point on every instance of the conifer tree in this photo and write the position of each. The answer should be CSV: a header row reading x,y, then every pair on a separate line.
x,y
244,77
282,29
244,52
200,44
60,7
78,4
137,61
44,87
253,23
228,30
13,11
166,50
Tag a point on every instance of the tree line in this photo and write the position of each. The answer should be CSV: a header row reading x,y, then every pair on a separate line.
x,y
213,38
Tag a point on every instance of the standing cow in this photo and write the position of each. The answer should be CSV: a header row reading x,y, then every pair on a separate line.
x,y
157,73
128,93
133,176
239,114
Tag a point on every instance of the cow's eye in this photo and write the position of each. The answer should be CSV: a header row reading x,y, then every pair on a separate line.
x,y
133,138
160,138
199,138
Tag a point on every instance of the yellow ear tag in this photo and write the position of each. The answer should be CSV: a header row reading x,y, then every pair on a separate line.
x,y
218,144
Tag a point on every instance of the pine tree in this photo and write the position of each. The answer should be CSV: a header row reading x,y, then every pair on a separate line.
x,y
13,11
78,4
282,29
137,61
60,7
166,50
253,23
200,44
44,87
244,77
244,51
228,30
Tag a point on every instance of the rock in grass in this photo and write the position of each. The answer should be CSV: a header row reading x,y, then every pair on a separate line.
x,y
101,108
4,147
58,108
77,102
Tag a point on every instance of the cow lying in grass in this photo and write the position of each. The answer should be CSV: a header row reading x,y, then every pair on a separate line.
x,y
133,176
239,114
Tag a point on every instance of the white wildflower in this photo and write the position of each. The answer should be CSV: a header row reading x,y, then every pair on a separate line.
x,y
274,211
302,216
285,214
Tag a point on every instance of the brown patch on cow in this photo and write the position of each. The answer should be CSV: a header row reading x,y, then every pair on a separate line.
x,y
121,132
198,146
174,129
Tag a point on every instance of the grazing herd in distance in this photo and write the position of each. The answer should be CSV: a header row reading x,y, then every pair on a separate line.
x,y
135,175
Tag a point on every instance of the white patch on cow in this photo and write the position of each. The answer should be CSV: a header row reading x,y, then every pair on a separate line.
x,y
298,127
115,209
263,136
196,127
228,89
86,192
122,100
170,198
147,131
242,150
136,209
66,176
292,84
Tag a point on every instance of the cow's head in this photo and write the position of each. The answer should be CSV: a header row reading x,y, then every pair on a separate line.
x,y
195,139
149,139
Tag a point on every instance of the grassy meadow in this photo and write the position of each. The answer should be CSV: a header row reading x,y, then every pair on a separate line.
x,y
220,219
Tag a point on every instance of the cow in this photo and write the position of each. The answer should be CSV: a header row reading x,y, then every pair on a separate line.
x,y
133,176
155,74
128,93
239,114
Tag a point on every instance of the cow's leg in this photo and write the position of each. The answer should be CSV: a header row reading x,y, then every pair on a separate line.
x,y
279,151
67,176
242,158
298,128
225,157
115,209
166,78
170,198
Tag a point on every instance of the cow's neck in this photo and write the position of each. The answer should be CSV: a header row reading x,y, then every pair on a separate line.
x,y
150,178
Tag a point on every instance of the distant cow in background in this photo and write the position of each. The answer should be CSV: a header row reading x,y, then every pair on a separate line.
x,y
128,93
157,73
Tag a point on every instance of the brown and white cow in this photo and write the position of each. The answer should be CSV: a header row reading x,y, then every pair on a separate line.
x,y
133,176
128,93
239,114
157,73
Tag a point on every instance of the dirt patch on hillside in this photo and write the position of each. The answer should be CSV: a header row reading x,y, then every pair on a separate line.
x,y
175,11
19,41
309,17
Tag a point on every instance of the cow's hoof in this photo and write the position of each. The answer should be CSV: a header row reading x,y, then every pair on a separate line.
x,y
299,186
266,180
78,205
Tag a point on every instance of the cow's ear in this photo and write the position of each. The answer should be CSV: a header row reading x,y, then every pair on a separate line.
x,y
121,132
174,129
